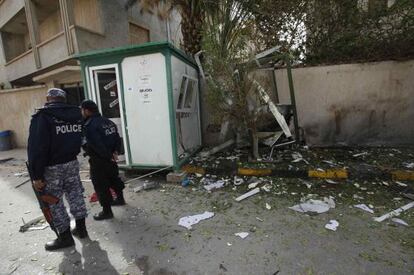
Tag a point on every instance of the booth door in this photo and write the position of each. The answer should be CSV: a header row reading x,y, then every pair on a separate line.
x,y
108,98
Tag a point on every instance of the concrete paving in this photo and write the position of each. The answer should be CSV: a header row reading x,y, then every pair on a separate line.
x,y
145,238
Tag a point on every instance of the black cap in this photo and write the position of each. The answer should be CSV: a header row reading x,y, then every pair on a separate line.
x,y
89,105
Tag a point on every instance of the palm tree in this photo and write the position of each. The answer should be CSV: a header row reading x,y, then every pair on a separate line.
x,y
192,16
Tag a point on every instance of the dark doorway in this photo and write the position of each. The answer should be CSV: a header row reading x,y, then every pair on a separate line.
x,y
74,93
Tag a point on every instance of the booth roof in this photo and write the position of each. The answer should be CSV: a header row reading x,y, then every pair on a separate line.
x,y
133,49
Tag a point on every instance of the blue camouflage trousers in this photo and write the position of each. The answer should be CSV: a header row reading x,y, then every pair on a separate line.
x,y
63,179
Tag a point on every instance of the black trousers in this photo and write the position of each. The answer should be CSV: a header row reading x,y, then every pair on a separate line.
x,y
105,175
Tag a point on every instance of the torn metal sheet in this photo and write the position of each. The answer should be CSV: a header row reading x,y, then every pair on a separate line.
x,y
189,221
364,207
332,225
248,194
395,212
273,109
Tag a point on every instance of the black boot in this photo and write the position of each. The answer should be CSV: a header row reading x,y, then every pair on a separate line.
x,y
80,229
119,199
65,239
104,215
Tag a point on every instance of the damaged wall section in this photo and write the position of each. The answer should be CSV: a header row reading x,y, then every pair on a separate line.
x,y
365,104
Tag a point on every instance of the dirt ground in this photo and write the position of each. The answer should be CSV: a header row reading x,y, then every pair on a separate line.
x,y
145,238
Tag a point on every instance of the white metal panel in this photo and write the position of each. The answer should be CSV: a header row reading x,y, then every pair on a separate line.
x,y
188,128
147,110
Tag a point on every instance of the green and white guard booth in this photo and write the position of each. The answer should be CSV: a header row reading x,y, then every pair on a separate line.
x,y
151,92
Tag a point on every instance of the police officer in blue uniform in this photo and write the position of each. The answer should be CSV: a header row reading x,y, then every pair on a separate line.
x,y
55,137
103,144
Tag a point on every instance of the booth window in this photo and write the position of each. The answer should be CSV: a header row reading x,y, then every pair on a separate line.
x,y
187,94
87,14
15,36
48,18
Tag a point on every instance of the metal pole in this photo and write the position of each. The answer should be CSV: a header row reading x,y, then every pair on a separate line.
x,y
292,98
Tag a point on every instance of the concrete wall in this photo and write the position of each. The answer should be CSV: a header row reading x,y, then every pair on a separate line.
x,y
354,104
16,108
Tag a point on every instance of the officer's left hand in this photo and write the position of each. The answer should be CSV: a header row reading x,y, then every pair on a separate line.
x,y
115,157
38,185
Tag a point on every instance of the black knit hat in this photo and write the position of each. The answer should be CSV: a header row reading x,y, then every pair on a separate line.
x,y
89,105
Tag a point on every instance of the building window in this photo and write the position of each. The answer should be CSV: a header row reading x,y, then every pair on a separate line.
x,y
15,36
87,15
48,18
138,34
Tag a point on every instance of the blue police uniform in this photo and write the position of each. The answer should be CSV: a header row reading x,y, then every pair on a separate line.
x,y
101,141
55,138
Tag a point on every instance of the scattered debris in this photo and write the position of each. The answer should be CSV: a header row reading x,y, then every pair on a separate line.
x,y
22,183
214,185
253,184
21,174
360,154
409,165
218,148
399,221
356,197
238,181
189,221
185,182
314,206
329,162
32,223
5,160
332,225
176,177
242,235
146,186
330,181
298,157
266,187
364,207
248,194
401,184
307,183
222,267
395,212
409,196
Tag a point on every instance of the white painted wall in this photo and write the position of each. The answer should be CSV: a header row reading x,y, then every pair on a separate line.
x,y
354,104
